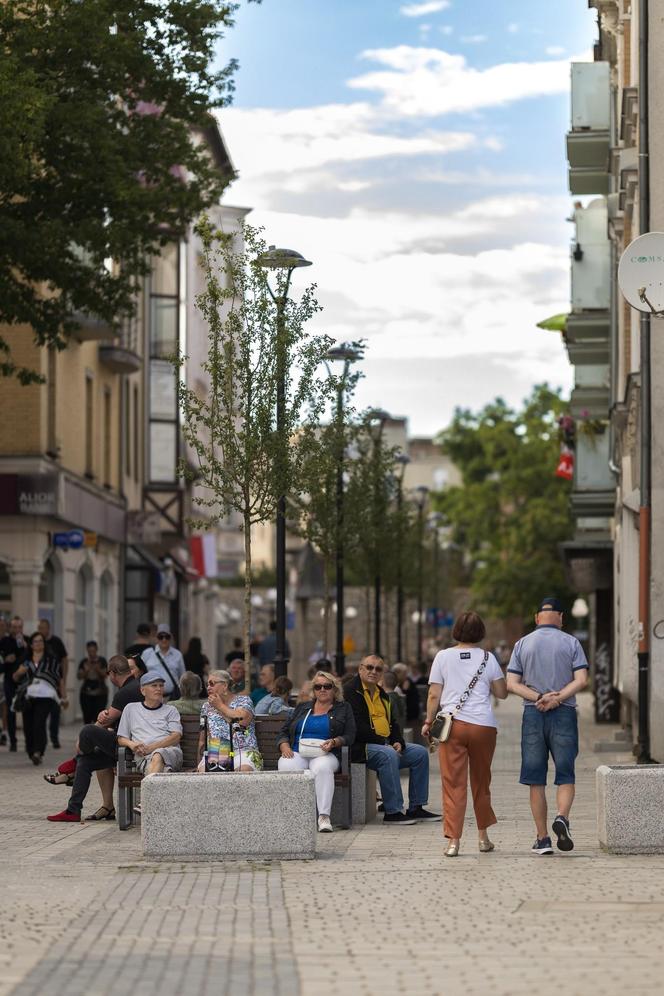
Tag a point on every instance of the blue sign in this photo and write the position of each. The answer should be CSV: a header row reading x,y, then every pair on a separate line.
x,y
71,540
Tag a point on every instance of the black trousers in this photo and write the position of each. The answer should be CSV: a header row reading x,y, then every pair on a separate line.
x,y
35,715
98,750
54,722
10,692
91,706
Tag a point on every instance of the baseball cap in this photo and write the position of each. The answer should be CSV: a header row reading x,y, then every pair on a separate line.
x,y
150,677
163,629
551,604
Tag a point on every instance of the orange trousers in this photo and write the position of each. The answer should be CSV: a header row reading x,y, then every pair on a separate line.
x,y
467,743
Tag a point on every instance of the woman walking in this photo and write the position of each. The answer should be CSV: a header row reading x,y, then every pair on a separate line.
x,y
461,682
41,676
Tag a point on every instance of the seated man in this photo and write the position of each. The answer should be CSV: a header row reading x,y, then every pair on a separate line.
x,y
152,729
96,750
379,742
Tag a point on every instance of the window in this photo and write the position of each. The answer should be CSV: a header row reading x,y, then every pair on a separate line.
x,y
128,433
137,425
51,403
89,425
106,642
84,610
107,437
164,337
48,594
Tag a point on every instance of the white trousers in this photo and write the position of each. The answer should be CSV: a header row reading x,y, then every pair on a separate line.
x,y
322,768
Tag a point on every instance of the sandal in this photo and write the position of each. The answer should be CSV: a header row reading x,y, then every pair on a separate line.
x,y
103,813
59,779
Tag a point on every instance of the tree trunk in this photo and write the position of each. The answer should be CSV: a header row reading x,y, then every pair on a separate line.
x,y
246,633
326,609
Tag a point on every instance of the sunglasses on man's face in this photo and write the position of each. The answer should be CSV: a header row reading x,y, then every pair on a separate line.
x,y
374,667
321,688
163,636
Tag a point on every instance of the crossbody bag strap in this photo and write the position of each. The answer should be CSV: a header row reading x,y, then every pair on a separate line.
x,y
304,724
473,681
168,670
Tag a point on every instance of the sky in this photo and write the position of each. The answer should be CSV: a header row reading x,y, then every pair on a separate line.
x,y
415,152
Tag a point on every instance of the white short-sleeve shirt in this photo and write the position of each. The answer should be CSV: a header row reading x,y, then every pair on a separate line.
x,y
454,669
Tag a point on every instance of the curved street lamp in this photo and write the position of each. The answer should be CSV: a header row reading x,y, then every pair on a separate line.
x,y
402,460
421,495
289,260
377,418
345,353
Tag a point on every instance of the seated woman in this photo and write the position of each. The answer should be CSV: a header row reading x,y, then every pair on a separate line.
x,y
223,710
190,701
329,720
277,701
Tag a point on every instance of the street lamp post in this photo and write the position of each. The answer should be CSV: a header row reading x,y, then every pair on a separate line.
x,y
377,418
420,500
435,520
288,260
402,459
347,354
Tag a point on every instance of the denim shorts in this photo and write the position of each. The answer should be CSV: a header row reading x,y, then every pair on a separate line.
x,y
554,732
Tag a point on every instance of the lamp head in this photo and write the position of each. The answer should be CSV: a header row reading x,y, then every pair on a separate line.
x,y
421,493
281,259
344,352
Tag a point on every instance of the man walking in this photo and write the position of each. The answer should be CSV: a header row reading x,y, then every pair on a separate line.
x,y
547,669
166,660
379,742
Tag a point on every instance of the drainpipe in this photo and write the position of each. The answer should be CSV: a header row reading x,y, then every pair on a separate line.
x,y
645,398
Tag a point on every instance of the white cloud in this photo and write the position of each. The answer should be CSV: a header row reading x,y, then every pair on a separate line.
x,y
430,81
514,27
555,50
446,29
422,9
474,39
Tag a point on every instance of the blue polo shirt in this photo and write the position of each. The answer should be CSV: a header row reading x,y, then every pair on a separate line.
x,y
546,660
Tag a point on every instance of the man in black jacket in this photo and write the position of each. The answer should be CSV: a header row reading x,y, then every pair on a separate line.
x,y
380,743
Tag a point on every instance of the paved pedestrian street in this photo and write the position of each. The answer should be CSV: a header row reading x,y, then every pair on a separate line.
x,y
381,910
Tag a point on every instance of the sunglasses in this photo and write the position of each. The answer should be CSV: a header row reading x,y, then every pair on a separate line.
x,y
374,667
163,636
326,687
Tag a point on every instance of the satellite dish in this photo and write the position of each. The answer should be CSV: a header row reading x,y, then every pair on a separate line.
x,y
641,273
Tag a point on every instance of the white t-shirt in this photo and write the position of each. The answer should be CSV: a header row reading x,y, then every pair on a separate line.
x,y
454,669
148,725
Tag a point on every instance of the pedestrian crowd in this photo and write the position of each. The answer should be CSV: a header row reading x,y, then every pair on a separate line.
x,y
368,710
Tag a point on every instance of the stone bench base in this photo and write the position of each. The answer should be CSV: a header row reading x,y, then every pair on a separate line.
x,y
363,797
630,803
237,815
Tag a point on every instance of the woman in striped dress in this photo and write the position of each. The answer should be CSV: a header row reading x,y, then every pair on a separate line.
x,y
43,676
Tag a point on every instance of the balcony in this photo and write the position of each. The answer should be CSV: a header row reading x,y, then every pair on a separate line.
x,y
91,328
123,355
591,259
589,140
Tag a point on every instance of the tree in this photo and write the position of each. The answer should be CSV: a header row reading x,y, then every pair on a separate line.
x,y
511,512
242,464
102,103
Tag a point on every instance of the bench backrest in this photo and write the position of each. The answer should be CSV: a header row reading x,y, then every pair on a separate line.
x,y
267,731
189,742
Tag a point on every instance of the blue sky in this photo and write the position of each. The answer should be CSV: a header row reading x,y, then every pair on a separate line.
x,y
415,152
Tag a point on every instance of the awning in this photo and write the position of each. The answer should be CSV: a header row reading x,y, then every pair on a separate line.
x,y
557,323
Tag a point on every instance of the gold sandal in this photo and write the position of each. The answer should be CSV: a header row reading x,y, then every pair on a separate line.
x,y
452,851
486,846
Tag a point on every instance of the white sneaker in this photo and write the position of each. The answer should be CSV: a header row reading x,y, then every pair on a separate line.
x,y
324,824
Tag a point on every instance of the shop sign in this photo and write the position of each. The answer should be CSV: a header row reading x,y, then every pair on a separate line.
x,y
37,494
73,539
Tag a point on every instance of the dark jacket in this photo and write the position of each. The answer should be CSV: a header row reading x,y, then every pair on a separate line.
x,y
354,695
342,724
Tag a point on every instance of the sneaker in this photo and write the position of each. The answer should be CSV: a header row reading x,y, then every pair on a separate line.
x,y
399,820
65,817
3,739
421,815
324,824
542,846
560,827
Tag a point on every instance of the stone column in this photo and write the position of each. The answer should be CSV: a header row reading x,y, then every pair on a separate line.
x,y
25,577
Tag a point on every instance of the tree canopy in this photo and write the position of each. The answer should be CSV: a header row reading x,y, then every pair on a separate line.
x,y
102,104
511,511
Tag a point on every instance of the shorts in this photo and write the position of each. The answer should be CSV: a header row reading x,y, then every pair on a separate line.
x,y
248,759
554,732
172,759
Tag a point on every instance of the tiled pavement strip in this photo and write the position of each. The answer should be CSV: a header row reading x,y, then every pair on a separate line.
x,y
381,911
